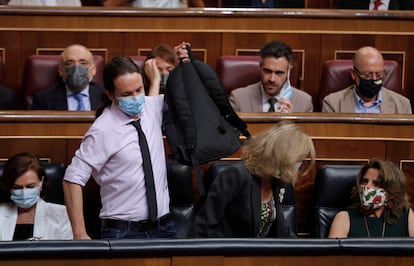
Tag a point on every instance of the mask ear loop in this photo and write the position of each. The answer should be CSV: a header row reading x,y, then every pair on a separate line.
x,y
287,87
41,185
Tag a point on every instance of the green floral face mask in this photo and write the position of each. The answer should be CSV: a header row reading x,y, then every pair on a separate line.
x,y
372,198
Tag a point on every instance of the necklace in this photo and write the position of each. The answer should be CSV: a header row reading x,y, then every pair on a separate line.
x,y
369,234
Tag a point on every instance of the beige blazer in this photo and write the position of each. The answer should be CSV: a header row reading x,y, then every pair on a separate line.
x,y
343,101
249,99
51,221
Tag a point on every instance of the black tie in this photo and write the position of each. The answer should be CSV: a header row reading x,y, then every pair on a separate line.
x,y
272,102
149,176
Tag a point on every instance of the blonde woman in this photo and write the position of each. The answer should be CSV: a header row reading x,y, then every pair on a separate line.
x,y
245,199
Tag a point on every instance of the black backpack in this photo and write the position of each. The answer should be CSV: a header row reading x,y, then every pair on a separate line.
x,y
199,122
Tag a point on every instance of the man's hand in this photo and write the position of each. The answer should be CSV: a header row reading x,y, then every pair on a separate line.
x,y
285,106
182,52
151,71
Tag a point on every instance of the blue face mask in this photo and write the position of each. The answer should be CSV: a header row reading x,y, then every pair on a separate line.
x,y
26,197
132,105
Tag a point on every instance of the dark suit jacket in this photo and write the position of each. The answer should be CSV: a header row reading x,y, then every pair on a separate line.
x,y
55,98
364,4
233,207
7,99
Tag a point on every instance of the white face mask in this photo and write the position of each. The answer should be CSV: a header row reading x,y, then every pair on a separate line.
x,y
372,198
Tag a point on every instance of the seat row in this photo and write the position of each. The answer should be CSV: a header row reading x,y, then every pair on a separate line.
x,y
234,71
333,184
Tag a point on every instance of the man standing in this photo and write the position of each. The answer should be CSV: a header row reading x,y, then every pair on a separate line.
x,y
367,94
131,174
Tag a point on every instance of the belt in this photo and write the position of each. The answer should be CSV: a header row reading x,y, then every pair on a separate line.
x,y
142,226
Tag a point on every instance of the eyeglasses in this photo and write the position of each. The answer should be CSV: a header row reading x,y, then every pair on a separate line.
x,y
370,75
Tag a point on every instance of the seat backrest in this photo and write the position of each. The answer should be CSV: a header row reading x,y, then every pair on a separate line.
x,y
288,203
335,76
139,60
54,176
1,70
333,186
237,71
41,72
182,200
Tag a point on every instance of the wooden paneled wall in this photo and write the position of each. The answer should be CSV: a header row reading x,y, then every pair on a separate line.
x,y
316,34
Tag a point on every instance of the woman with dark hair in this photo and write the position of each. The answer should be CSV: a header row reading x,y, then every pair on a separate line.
x,y
23,213
380,205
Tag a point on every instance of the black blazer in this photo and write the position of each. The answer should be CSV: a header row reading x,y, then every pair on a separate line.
x,y
364,4
7,99
54,98
233,207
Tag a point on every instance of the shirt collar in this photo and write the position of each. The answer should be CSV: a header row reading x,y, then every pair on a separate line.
x,y
121,117
84,92
360,102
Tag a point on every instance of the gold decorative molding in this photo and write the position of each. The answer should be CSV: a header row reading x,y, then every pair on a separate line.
x,y
57,51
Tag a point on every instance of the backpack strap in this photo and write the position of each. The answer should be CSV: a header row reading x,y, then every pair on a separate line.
x,y
217,93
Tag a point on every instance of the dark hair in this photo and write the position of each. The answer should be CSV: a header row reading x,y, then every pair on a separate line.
x,y
15,167
163,51
118,66
276,49
390,178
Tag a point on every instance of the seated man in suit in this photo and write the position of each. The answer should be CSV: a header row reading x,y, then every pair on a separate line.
x,y
273,92
7,99
367,94
376,4
76,92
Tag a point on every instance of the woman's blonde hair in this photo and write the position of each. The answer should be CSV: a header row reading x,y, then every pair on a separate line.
x,y
274,153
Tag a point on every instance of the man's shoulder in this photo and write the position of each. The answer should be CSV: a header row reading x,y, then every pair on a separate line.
x,y
301,93
387,93
95,86
340,93
57,88
246,90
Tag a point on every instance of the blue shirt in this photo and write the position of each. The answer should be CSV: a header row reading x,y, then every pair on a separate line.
x,y
73,103
375,108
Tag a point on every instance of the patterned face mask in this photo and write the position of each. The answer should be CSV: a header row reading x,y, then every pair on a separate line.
x,y
372,198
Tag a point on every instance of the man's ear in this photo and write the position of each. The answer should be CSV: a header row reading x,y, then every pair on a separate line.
x,y
110,95
61,71
92,71
352,72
